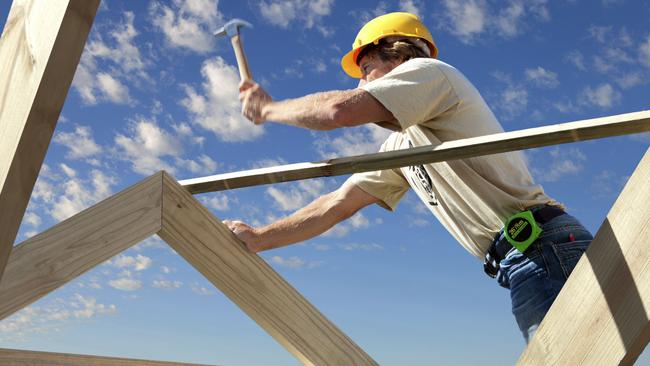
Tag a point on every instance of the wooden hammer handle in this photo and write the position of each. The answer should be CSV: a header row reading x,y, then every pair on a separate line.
x,y
242,63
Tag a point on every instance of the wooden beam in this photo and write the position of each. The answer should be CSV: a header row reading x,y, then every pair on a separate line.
x,y
39,51
51,259
15,357
601,315
450,150
251,283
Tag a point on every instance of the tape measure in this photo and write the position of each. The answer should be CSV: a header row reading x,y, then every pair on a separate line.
x,y
521,230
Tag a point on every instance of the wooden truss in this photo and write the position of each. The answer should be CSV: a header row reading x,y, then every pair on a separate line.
x,y
599,318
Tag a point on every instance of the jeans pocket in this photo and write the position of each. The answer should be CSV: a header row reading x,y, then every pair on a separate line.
x,y
569,253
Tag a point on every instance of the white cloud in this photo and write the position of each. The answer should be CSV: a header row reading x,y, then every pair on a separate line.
x,y
298,195
295,262
51,317
78,194
219,109
604,96
80,143
542,77
412,6
471,18
218,201
644,52
126,284
146,147
365,139
512,100
187,24
563,162
285,12
200,290
577,59
32,219
138,263
468,18
90,308
203,165
113,89
71,173
94,86
166,284
373,247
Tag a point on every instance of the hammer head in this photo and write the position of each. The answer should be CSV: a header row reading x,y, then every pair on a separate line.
x,y
231,28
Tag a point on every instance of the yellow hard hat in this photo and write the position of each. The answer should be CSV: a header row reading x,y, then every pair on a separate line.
x,y
392,24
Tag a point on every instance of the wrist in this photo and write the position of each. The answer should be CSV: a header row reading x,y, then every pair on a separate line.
x,y
266,111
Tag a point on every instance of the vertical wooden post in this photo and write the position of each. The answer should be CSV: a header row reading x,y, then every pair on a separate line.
x,y
600,316
40,49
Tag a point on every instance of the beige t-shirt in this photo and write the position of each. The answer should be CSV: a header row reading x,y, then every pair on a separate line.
x,y
433,102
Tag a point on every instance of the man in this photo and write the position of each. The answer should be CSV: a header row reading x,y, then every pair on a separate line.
x,y
425,101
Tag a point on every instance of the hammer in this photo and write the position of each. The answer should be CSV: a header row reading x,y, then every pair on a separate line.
x,y
231,29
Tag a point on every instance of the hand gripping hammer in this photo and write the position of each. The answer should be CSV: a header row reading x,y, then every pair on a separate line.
x,y
231,29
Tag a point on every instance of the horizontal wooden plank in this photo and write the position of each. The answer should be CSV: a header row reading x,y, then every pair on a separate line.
x,y
16,357
451,150
39,51
252,284
49,260
601,315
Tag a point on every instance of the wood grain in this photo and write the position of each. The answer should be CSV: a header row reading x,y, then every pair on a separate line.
x,y
40,48
51,259
15,357
251,283
601,315
450,150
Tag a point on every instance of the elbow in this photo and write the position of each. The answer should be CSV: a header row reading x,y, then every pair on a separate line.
x,y
339,116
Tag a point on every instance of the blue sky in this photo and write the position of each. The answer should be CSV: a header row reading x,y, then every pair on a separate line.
x,y
155,91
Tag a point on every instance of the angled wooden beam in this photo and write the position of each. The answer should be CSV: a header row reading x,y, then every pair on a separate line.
x,y
451,150
15,357
39,51
601,315
49,260
251,283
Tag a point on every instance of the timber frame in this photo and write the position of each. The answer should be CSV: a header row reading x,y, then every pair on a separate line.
x,y
599,318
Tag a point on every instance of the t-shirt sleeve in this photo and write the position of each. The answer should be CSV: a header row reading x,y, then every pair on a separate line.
x,y
415,92
389,185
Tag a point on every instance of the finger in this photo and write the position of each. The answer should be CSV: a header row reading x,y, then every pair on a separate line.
x,y
246,84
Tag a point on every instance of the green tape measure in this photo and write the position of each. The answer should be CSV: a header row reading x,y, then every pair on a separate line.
x,y
522,230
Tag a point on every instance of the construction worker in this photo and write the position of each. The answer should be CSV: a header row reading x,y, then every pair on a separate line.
x,y
490,204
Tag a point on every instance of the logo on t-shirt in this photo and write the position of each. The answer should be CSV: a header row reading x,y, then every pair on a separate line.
x,y
422,181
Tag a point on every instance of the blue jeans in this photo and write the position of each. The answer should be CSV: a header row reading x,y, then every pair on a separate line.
x,y
536,276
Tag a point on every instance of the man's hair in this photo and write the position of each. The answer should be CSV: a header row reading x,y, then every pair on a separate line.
x,y
394,51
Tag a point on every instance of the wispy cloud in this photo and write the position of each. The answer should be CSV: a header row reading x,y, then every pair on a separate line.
x,y
126,284
471,19
146,145
297,195
361,140
217,108
563,162
295,262
603,96
137,263
284,13
124,59
542,77
52,317
80,143
187,24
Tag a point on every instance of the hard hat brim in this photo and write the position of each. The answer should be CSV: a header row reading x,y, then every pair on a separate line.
x,y
349,64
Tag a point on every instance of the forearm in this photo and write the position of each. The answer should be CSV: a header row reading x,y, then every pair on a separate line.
x,y
314,111
308,222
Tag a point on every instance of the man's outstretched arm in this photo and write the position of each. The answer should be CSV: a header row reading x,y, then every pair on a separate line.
x,y
308,222
318,111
